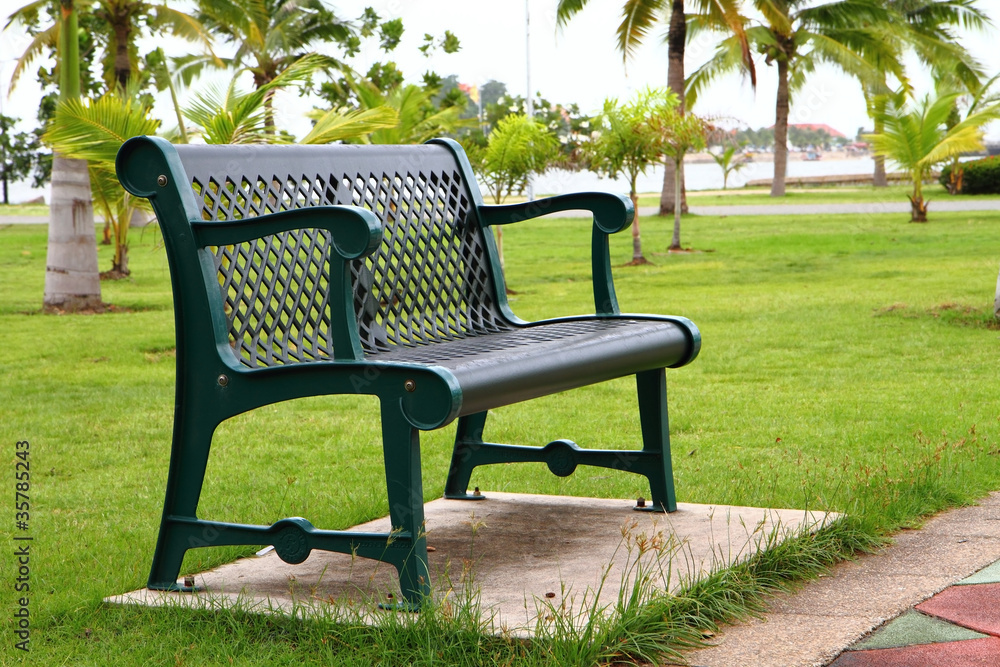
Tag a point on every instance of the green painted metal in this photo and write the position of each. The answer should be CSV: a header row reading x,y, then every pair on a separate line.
x,y
420,386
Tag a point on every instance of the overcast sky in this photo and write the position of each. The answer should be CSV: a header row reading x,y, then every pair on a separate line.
x,y
578,63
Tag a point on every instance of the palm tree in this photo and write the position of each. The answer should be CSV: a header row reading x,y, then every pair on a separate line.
x,y
93,131
928,32
984,97
918,138
630,140
796,36
638,18
230,116
72,281
124,20
269,35
418,119
728,162
517,147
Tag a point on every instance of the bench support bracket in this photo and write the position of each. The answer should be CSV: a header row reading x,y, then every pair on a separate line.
x,y
563,456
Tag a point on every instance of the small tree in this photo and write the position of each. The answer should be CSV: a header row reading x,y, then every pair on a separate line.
x,y
93,130
680,133
918,138
983,97
20,155
726,162
629,139
517,148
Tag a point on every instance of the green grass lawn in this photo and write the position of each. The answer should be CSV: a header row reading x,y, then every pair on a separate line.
x,y
24,209
851,194
848,363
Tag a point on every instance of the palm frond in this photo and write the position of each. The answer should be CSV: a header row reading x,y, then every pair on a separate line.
x,y
233,117
843,14
638,18
917,137
728,58
567,9
726,15
341,124
930,15
775,15
94,130
45,39
847,49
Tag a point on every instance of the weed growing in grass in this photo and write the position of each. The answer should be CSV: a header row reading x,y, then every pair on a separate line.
x,y
587,630
947,313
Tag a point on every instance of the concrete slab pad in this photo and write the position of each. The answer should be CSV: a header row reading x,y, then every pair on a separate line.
x,y
971,653
524,554
915,628
972,606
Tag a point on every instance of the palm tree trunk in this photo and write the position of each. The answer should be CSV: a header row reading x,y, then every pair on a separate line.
x,y
123,67
780,132
675,242
676,38
879,179
71,278
637,256
918,207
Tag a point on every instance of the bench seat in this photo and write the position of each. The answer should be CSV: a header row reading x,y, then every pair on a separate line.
x,y
548,357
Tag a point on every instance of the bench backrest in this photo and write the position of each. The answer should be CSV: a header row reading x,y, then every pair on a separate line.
x,y
430,280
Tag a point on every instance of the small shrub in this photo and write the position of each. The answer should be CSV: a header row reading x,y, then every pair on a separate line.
x,y
979,177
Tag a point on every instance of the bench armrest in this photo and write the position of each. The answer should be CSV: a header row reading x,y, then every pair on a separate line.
x,y
611,214
354,233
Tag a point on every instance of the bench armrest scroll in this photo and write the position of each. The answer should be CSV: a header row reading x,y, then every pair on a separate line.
x,y
354,232
611,214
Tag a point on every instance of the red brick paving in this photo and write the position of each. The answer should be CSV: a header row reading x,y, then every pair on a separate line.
x,y
975,606
968,653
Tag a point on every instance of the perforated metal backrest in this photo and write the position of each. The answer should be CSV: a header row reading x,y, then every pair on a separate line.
x,y
429,281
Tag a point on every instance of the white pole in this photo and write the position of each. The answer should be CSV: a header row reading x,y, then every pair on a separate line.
x,y
529,107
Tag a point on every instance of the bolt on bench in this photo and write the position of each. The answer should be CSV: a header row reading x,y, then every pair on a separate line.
x,y
315,270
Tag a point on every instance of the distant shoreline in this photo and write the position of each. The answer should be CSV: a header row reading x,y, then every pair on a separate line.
x,y
793,156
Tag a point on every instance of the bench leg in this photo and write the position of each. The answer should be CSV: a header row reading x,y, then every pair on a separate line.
x,y
652,389
188,460
401,450
468,441
563,456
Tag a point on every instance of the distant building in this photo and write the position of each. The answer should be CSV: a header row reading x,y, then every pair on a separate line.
x,y
816,127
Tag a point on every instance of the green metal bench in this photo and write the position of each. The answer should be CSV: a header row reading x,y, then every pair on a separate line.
x,y
316,270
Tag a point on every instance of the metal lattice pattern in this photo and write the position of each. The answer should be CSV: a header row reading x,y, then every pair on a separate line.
x,y
427,282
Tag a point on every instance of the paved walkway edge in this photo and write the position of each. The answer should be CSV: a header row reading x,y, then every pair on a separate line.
x,y
813,625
